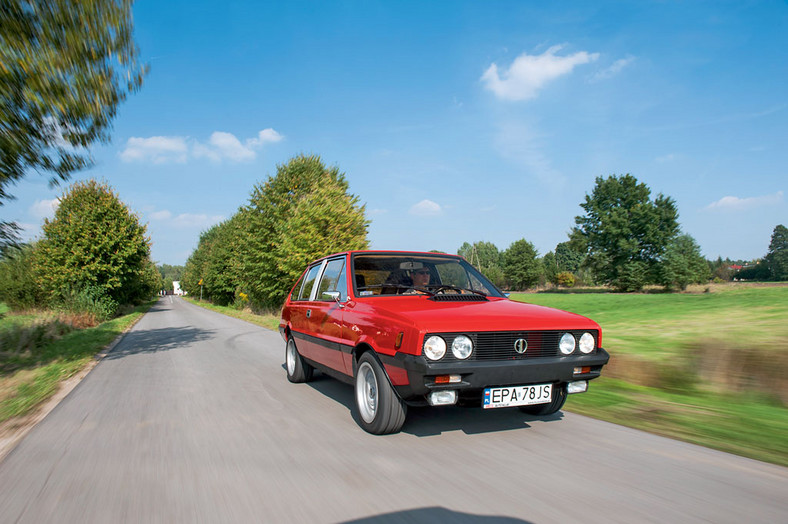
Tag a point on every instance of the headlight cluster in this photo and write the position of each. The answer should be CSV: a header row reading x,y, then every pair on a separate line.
x,y
435,347
568,343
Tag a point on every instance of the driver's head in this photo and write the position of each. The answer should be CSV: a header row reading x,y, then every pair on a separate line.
x,y
420,276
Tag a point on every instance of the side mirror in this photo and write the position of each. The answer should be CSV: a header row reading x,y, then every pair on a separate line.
x,y
331,295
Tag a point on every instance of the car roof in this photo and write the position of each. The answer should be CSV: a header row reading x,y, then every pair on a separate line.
x,y
384,252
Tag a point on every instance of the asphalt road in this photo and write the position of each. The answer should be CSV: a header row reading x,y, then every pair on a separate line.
x,y
191,419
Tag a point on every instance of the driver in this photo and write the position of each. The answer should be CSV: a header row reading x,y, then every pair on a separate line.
x,y
421,278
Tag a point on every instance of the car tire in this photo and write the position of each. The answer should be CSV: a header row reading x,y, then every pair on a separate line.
x,y
380,410
297,369
557,402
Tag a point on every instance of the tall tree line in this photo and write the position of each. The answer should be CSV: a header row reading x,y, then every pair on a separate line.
x,y
301,213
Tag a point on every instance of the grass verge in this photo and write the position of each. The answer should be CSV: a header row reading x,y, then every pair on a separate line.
x,y
36,376
708,368
267,320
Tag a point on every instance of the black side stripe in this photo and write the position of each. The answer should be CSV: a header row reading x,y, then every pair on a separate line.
x,y
335,346
344,348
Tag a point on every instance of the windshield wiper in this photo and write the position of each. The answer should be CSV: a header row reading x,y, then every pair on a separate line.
x,y
455,288
399,286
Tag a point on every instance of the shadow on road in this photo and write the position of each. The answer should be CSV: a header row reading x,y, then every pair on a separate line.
x,y
431,421
436,515
155,340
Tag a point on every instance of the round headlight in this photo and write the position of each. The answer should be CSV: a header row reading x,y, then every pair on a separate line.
x,y
567,344
462,347
434,347
587,343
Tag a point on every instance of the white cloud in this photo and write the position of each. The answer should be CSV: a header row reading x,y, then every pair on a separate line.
x,y
732,203
156,149
228,146
664,159
160,215
196,220
186,220
527,148
425,208
263,137
529,73
44,208
614,69
174,149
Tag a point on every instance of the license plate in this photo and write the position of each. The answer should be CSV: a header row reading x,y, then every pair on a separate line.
x,y
517,396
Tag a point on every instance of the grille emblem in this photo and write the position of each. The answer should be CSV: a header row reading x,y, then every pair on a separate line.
x,y
520,345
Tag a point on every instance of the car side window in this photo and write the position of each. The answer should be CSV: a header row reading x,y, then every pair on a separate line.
x,y
309,281
333,280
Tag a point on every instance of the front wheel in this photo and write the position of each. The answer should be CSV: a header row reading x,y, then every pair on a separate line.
x,y
297,369
380,410
556,403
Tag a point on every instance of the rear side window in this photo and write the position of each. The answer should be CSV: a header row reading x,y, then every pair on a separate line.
x,y
333,279
309,282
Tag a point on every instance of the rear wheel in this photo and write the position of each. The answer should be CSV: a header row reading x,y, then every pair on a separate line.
x,y
555,404
380,410
297,369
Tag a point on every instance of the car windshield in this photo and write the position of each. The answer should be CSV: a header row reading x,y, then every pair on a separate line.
x,y
398,274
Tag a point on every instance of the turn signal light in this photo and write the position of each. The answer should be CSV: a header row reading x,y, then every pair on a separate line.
x,y
398,340
583,370
447,379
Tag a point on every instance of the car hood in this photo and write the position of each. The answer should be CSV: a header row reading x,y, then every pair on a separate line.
x,y
494,315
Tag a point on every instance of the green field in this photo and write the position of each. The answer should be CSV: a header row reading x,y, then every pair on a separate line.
x,y
708,367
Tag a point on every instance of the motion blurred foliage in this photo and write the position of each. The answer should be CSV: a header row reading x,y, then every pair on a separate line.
x,y
18,288
94,252
65,66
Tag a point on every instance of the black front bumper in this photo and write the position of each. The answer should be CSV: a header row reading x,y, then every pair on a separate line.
x,y
477,375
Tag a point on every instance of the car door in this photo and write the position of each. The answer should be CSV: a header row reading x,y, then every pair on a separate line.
x,y
300,310
326,312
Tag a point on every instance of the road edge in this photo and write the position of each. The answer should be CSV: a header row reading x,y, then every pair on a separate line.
x,y
13,430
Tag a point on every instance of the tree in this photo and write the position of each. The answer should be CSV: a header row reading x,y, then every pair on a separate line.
x,y
626,232
520,265
568,258
64,68
777,257
300,214
169,274
94,241
550,268
485,257
683,264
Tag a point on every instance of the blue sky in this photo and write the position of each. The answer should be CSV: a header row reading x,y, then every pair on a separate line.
x,y
453,121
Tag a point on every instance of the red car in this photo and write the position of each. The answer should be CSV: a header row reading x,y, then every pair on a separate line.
x,y
429,329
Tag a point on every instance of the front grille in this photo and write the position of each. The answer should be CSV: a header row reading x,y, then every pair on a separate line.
x,y
500,345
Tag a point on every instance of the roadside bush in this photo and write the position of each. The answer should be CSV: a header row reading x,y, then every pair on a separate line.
x,y
90,300
565,279
18,288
